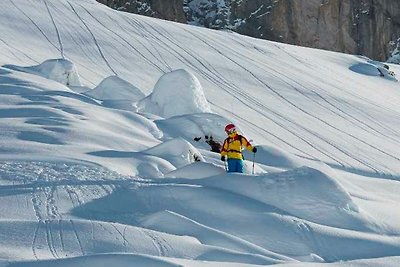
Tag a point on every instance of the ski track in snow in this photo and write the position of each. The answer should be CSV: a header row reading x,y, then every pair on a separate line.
x,y
148,60
216,79
35,235
11,48
111,36
81,42
307,234
55,28
94,39
272,70
77,237
49,238
253,102
61,235
122,235
280,96
158,242
45,226
126,42
261,130
366,116
37,26
136,24
58,233
212,76
82,45
58,34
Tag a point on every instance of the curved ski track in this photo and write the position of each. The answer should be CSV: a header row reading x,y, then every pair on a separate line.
x,y
165,41
283,98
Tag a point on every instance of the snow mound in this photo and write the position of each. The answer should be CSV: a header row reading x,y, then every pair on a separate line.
x,y
66,245
115,88
19,172
196,170
102,260
171,222
304,192
176,93
117,93
373,68
275,157
177,151
195,125
59,70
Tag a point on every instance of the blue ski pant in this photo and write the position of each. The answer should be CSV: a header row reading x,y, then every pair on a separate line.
x,y
235,165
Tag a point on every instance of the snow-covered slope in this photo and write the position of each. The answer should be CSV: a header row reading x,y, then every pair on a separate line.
x,y
94,173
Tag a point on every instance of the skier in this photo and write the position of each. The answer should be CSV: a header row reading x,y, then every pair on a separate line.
x,y
232,148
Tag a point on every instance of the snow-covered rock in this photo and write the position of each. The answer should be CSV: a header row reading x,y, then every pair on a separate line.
x,y
116,88
176,93
294,192
59,70
194,125
115,92
196,170
85,185
374,68
178,151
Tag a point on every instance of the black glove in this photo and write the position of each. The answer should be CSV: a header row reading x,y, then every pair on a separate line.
x,y
254,150
223,158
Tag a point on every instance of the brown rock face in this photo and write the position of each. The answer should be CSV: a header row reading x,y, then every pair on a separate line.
x,y
367,27
163,9
169,9
353,26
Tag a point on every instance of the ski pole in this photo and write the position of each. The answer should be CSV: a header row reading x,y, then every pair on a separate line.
x,y
254,159
226,167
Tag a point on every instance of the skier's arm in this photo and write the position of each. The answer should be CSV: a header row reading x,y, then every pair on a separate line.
x,y
247,144
224,149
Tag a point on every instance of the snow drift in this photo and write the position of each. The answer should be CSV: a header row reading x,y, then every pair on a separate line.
x,y
176,93
59,70
84,184
117,93
374,69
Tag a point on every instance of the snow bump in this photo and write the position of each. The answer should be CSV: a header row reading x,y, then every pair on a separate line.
x,y
59,70
176,93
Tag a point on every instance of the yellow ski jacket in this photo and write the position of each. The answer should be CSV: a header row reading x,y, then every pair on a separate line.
x,y
233,145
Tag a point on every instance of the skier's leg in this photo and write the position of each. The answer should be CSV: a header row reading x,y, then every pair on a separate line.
x,y
239,166
231,165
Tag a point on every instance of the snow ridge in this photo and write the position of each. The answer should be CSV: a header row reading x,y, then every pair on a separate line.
x,y
105,156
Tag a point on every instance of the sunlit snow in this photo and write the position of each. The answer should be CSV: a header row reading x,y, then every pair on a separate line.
x,y
176,93
105,160
59,70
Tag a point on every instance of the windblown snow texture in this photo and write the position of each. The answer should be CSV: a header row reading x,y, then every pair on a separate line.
x,y
99,166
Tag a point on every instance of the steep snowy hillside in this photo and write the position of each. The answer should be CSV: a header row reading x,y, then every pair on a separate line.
x,y
106,120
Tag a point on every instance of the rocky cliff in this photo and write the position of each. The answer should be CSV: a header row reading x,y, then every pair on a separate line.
x,y
367,27
163,9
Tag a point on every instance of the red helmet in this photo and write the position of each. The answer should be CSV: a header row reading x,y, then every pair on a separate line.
x,y
230,128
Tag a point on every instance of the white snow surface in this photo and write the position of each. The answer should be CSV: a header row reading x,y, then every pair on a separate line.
x,y
99,166
176,93
373,68
115,88
115,92
59,70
